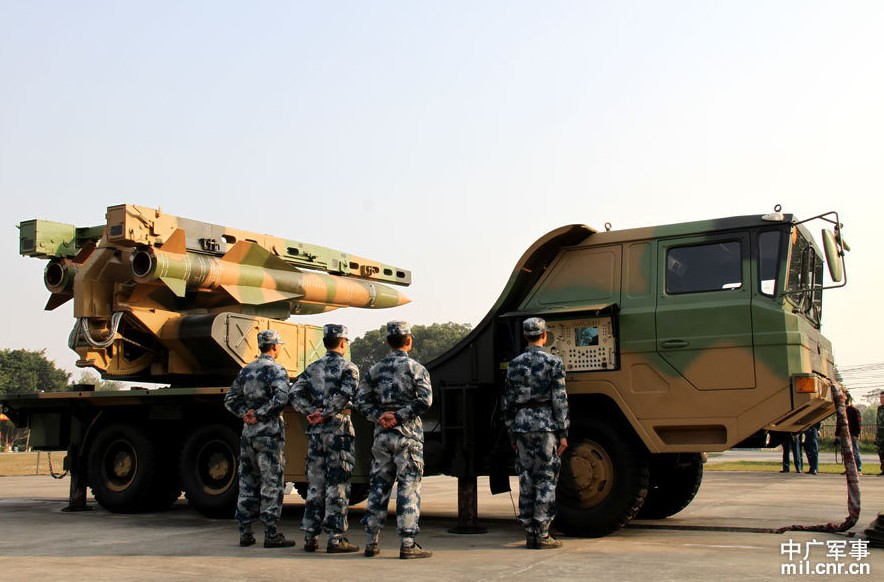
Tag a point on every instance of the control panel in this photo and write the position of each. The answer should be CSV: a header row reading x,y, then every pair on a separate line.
x,y
583,344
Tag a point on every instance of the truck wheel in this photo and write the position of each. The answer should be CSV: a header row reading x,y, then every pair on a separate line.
x,y
674,481
123,471
208,466
604,479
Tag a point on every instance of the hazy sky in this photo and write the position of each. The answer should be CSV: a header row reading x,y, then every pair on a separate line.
x,y
443,137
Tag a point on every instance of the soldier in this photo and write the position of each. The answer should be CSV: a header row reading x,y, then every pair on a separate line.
x,y
257,396
810,444
323,393
792,444
536,416
879,431
393,395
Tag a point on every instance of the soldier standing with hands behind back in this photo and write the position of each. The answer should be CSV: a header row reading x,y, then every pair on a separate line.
x,y
393,395
323,393
257,396
536,415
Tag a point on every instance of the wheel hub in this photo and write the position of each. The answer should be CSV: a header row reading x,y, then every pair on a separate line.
x,y
587,474
216,467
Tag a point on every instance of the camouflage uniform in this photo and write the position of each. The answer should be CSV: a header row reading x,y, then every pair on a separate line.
x,y
262,386
328,385
536,416
879,436
401,385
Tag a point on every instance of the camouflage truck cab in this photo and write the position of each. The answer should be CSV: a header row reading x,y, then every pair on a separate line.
x,y
676,340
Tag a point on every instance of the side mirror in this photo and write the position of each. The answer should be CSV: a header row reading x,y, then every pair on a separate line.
x,y
834,258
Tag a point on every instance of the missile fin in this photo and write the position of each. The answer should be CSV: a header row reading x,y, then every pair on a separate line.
x,y
247,253
257,296
178,286
56,300
176,243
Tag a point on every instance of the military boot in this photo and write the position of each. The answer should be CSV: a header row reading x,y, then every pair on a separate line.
x,y
310,544
413,552
247,539
547,543
341,546
372,550
277,541
531,541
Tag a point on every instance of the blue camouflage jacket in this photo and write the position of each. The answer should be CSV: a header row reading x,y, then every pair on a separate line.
x,y
263,386
535,398
329,384
399,384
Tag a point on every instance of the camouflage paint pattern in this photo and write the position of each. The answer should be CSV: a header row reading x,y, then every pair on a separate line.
x,y
694,371
161,298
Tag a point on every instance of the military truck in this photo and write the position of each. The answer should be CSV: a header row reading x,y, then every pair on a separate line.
x,y
677,340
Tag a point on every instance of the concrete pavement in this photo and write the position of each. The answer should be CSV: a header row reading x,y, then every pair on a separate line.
x,y
718,537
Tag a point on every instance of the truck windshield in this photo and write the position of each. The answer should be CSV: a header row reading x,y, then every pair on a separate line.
x,y
805,279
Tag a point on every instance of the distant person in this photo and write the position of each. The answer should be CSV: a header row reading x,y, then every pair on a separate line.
x,y
879,431
791,444
257,396
393,395
854,428
323,393
536,414
810,444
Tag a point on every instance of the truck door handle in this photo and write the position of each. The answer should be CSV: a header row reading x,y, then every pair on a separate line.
x,y
675,343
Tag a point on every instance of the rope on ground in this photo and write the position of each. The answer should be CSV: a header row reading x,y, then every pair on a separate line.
x,y
853,493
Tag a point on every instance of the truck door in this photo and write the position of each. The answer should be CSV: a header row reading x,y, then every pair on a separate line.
x,y
704,322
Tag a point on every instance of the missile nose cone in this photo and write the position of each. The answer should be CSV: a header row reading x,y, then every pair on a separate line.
x,y
388,297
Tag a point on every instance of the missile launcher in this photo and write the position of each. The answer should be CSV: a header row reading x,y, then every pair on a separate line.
x,y
162,298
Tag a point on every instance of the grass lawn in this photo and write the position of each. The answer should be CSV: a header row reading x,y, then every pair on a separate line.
x,y
17,464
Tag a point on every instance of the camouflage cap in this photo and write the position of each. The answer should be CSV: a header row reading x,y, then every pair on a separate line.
x,y
269,337
534,326
334,330
398,328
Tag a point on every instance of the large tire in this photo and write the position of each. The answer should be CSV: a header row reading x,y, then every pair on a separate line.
x,y
674,482
604,479
209,470
124,471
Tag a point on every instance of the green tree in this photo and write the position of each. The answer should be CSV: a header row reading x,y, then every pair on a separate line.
x,y
101,385
430,341
26,371
30,371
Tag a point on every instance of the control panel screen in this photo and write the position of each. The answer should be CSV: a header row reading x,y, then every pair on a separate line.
x,y
583,344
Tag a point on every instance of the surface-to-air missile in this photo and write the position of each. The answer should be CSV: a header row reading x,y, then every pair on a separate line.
x,y
163,298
